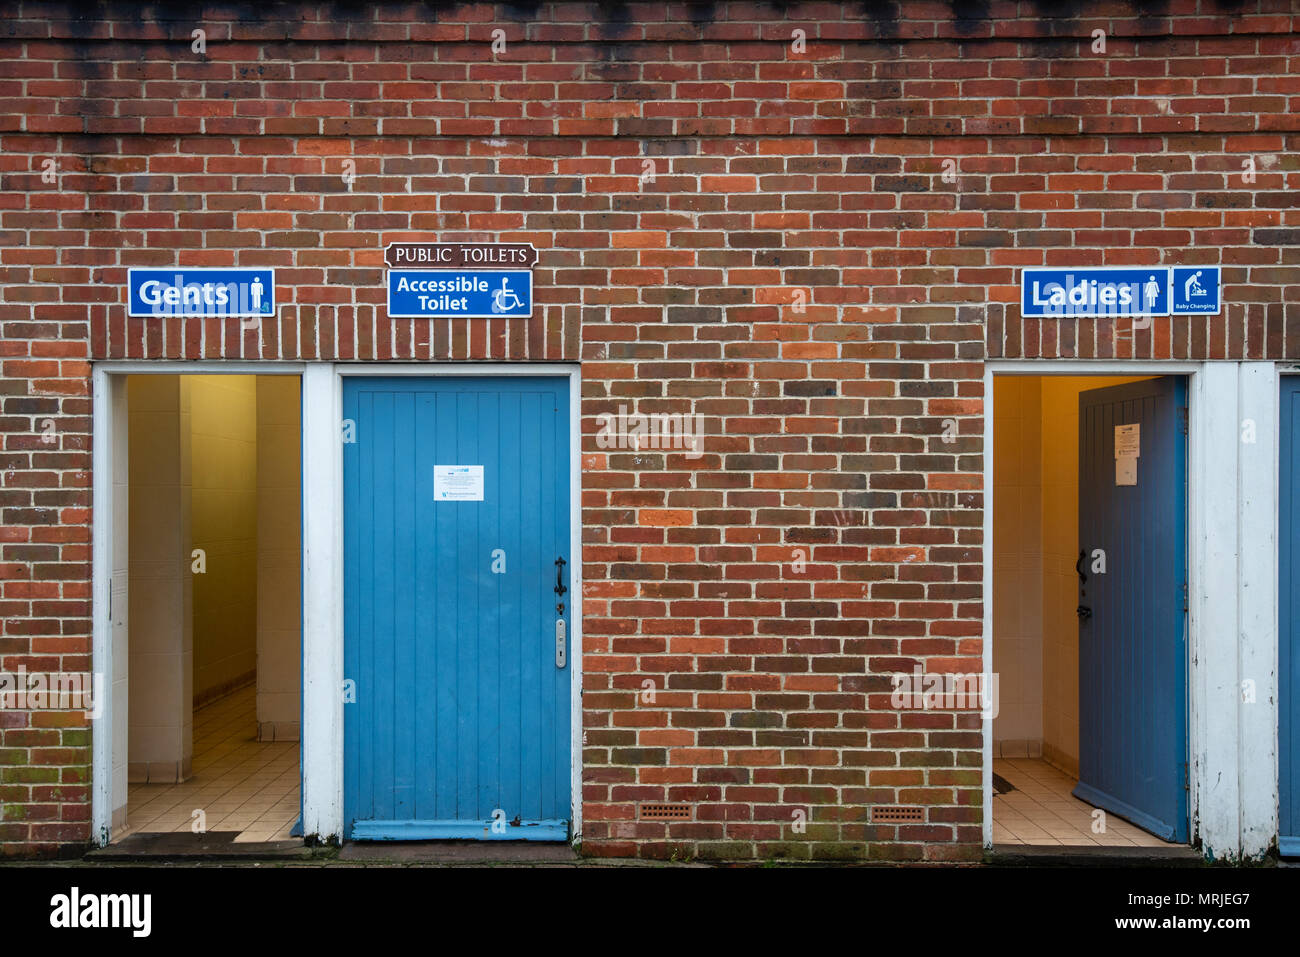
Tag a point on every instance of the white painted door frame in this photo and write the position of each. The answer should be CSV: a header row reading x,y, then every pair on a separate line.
x,y
108,422
322,566
1232,585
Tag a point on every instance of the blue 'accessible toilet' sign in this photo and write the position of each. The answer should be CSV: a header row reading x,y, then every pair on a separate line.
x,y
200,292
460,294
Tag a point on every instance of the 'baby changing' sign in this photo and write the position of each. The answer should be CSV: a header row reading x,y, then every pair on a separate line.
x,y
1196,290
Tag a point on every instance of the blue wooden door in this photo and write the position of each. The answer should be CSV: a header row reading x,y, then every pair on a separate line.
x,y
1288,652
457,716
1132,614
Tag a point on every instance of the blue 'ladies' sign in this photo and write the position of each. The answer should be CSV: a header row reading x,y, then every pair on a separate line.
x,y
1082,292
1105,291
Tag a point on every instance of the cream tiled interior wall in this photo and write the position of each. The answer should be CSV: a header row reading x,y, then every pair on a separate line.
x,y
224,517
1060,473
1017,566
196,448
1035,546
279,483
159,645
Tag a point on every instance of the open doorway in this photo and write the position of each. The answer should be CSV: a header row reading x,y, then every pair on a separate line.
x,y
1088,611
207,559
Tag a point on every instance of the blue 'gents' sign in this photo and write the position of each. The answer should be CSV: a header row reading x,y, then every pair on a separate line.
x,y
200,292
1104,291
1085,292
460,294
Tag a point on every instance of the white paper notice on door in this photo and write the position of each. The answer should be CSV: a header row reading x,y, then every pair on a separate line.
x,y
458,483
1126,470
1128,440
1128,446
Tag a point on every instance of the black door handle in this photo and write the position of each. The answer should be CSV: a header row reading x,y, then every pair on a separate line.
x,y
1083,611
559,585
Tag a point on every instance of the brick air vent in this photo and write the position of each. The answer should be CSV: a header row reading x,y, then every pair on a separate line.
x,y
897,814
665,812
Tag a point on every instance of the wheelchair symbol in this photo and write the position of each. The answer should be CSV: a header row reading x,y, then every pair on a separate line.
x,y
504,299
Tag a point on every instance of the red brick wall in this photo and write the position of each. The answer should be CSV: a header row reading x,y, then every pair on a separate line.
x,y
799,271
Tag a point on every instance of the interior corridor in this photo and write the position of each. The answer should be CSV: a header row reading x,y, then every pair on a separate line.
x,y
241,784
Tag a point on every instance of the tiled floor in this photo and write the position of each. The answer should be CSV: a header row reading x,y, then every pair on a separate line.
x,y
1041,810
241,784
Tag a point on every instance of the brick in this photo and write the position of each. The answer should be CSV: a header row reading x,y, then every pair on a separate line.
x,y
771,243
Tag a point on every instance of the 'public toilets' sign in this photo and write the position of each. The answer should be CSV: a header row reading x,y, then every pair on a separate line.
x,y
195,291
460,280
460,255
1135,292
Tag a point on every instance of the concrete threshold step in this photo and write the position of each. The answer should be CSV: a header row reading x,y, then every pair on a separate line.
x,y
1055,855
212,846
